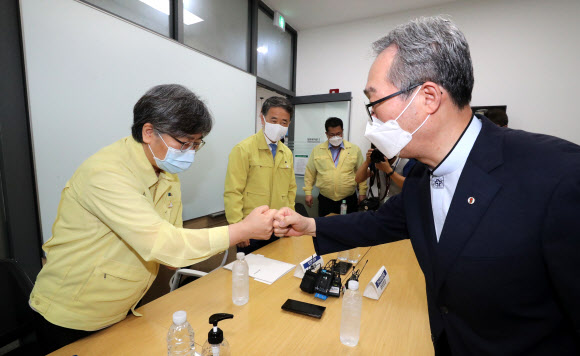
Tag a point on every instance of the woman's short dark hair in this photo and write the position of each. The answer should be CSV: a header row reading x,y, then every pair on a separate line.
x,y
171,109
277,102
333,122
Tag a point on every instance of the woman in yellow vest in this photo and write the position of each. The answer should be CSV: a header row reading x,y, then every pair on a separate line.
x,y
119,218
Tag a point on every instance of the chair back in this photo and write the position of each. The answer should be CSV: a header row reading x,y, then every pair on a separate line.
x,y
17,316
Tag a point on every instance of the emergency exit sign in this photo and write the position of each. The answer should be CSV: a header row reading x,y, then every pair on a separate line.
x,y
279,21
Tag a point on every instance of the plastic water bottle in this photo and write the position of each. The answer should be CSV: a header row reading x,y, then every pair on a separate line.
x,y
343,208
342,255
354,255
240,280
180,336
351,314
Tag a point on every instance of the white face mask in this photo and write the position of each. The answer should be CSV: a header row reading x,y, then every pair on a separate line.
x,y
335,140
274,132
389,137
175,161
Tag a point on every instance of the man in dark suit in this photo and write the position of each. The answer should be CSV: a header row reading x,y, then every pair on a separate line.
x,y
497,238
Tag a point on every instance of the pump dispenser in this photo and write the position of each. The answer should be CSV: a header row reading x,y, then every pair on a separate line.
x,y
216,345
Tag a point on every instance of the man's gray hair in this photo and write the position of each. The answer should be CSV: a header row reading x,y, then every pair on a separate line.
x,y
430,49
277,102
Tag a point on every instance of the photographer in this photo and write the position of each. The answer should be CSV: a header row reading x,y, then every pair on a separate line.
x,y
387,172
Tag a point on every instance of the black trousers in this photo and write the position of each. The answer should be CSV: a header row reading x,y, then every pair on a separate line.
x,y
256,244
327,206
52,337
441,345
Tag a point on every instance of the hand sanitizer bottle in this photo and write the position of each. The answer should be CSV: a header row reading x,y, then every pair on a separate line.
x,y
216,345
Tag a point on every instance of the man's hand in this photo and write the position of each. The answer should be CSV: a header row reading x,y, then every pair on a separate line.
x,y
308,200
287,222
369,153
258,225
361,198
384,166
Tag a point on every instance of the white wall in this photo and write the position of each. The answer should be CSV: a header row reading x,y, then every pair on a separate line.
x,y
525,55
85,71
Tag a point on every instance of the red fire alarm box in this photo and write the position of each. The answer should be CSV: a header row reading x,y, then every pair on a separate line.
x,y
334,91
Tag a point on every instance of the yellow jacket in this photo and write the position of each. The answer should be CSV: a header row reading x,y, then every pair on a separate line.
x,y
116,222
338,182
254,179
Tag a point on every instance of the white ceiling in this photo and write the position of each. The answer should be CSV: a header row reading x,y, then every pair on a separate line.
x,y
304,14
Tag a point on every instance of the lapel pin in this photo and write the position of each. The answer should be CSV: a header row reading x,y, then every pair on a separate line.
x,y
471,200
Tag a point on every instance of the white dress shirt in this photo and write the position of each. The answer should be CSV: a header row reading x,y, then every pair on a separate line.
x,y
446,175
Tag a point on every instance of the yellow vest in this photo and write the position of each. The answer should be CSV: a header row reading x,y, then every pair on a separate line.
x,y
338,182
254,178
116,222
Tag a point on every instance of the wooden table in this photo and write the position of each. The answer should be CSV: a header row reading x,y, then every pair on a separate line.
x,y
396,324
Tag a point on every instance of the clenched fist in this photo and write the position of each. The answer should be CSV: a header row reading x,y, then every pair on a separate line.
x,y
287,222
258,225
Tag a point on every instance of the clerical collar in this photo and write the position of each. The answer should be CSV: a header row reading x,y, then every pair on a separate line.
x,y
457,157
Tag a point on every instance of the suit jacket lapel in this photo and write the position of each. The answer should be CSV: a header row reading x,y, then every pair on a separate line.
x,y
465,213
425,246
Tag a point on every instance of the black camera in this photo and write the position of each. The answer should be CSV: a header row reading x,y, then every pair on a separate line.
x,y
377,156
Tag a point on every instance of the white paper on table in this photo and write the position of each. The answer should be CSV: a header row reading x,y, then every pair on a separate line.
x,y
377,285
300,162
264,269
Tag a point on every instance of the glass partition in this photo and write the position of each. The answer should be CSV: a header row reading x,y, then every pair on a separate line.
x,y
275,55
309,132
218,28
151,14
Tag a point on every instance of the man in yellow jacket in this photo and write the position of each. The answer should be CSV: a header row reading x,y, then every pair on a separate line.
x,y
261,169
332,166
119,218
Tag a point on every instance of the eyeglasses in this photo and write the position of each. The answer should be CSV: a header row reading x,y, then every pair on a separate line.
x,y
334,135
369,106
185,146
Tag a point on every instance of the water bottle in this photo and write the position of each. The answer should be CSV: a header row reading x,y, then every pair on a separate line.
x,y
351,314
342,256
354,255
343,208
240,280
180,336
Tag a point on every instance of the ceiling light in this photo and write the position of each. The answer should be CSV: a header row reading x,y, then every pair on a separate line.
x,y
159,5
190,19
163,6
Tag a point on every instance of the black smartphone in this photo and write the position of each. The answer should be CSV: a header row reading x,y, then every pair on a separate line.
x,y
304,308
343,267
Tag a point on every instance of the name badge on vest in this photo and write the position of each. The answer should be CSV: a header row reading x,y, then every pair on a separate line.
x,y
437,182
